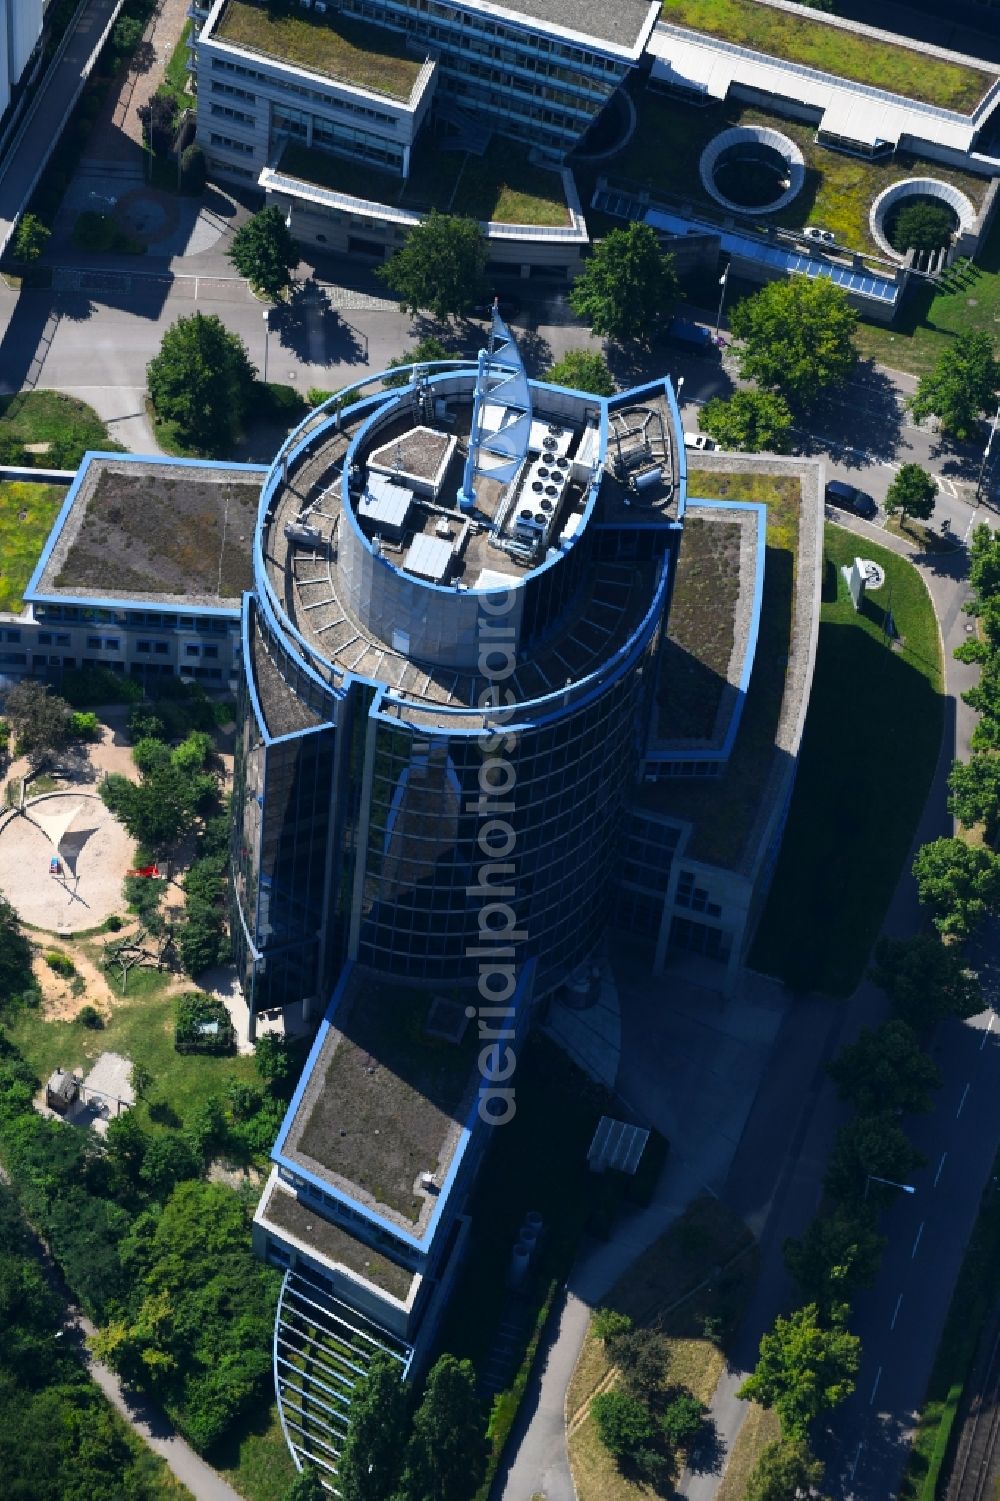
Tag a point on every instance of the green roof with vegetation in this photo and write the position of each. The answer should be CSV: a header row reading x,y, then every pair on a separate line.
x,y
695,660
723,809
351,51
812,41
502,186
27,511
386,1100
838,191
826,905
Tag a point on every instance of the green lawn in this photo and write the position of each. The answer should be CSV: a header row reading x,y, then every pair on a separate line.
x,y
974,1295
256,1461
141,1027
359,53
66,426
838,191
27,512
968,301
502,185
874,727
809,40
175,78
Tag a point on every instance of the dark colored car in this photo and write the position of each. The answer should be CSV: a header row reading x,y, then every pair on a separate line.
x,y
693,334
847,498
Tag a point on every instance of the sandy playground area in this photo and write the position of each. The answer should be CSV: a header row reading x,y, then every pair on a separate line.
x,y
95,852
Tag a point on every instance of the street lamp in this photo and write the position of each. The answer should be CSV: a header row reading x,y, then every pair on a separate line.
x,y
907,1188
723,282
986,455
267,328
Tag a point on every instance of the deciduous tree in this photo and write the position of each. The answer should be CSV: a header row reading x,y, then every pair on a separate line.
x,y
926,980
885,1069
959,883
749,422
624,1424
30,238
912,493
961,387
796,337
446,1454
974,793
201,380
837,1254
627,287
42,722
787,1470
869,1146
369,1464
582,370
804,1368
441,267
265,252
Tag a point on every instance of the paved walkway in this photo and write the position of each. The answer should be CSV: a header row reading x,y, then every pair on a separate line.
x,y
30,150
152,1426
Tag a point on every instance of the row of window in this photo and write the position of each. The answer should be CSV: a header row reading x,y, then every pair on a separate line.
x,y
457,19
152,619
228,112
240,147
689,894
349,139
285,84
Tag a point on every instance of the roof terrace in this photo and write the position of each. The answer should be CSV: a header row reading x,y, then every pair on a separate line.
x,y
422,531
347,50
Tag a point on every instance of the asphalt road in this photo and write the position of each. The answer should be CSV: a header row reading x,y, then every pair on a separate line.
x,y
900,1319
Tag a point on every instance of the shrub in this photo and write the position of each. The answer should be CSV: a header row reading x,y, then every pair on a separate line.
x,y
61,963
84,725
624,1426
609,1324
98,685
113,922
143,724
681,1419
89,1016
194,171
195,1011
99,232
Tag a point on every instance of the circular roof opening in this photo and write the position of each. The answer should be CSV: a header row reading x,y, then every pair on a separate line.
x,y
892,221
751,169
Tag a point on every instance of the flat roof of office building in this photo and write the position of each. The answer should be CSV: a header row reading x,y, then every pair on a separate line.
x,y
385,1099
625,24
346,49
167,532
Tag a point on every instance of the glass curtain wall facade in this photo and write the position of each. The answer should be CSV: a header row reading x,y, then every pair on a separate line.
x,y
359,804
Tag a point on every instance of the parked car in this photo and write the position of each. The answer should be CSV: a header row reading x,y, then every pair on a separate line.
x,y
699,440
819,236
847,498
686,332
